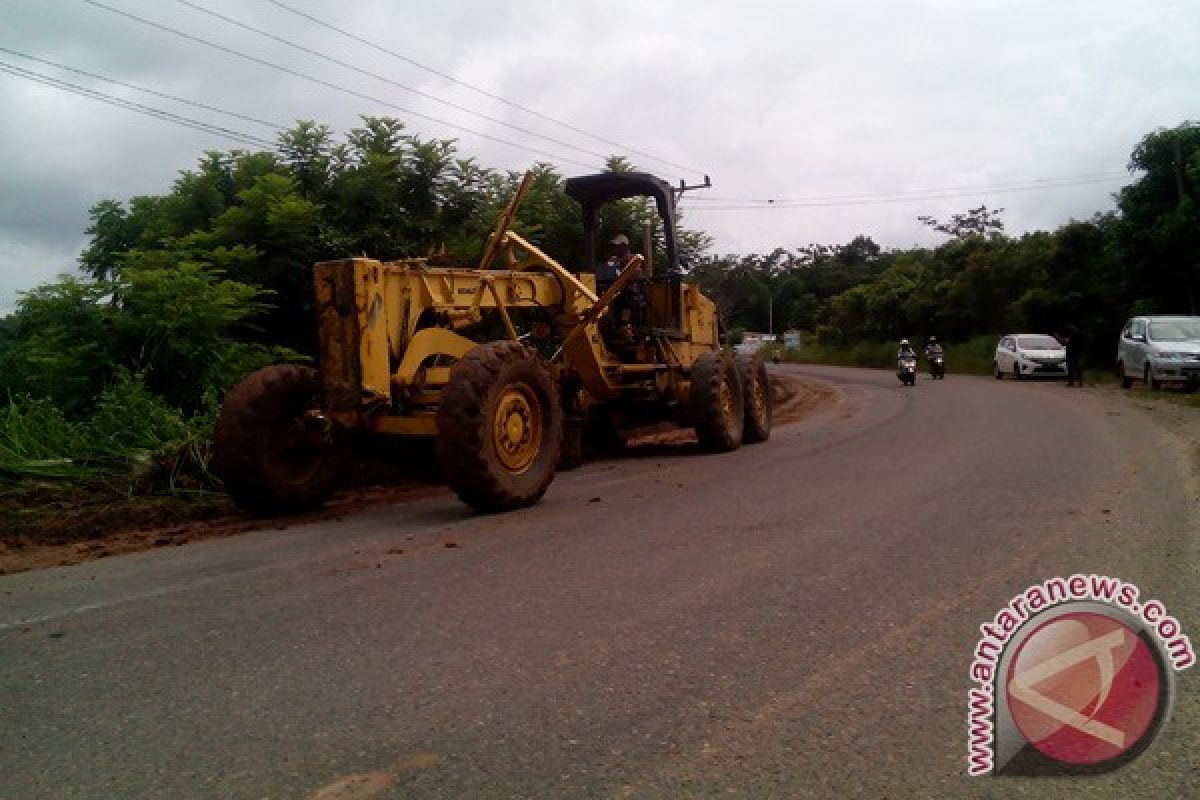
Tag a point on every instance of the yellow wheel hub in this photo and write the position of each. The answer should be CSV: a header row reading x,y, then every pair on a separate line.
x,y
517,427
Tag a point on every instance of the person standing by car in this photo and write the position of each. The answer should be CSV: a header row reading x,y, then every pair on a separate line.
x,y
1072,344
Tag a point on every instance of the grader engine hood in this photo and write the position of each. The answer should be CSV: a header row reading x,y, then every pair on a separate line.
x,y
394,326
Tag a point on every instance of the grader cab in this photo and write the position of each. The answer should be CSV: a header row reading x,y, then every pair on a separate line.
x,y
511,366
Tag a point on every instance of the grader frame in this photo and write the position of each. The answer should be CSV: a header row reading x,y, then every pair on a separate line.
x,y
411,349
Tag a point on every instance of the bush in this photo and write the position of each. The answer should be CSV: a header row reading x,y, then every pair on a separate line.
x,y
973,356
178,327
35,440
133,441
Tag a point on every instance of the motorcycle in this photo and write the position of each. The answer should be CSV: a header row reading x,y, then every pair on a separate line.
x,y
937,367
906,370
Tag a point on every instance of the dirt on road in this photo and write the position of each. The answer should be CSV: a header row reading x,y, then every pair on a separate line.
x,y
47,526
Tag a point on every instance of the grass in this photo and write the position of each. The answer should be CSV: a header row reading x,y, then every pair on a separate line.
x,y
132,442
37,441
1170,394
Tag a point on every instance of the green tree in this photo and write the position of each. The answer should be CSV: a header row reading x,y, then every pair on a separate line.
x,y
176,324
116,231
1159,230
62,348
980,221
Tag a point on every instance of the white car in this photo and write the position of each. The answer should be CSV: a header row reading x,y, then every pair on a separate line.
x,y
1029,355
1159,349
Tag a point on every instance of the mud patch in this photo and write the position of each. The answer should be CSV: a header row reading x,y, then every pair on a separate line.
x,y
362,786
415,762
40,529
371,785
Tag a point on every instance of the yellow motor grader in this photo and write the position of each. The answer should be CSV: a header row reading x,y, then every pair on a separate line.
x,y
510,366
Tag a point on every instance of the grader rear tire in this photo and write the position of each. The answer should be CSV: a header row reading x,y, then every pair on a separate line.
x,y
267,452
756,391
499,427
717,402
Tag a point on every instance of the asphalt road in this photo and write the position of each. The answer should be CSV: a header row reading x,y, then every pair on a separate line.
x,y
793,619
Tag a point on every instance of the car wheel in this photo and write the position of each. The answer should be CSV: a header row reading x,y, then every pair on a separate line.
x,y
1125,380
996,373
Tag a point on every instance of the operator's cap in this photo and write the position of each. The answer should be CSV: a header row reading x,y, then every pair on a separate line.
x,y
620,238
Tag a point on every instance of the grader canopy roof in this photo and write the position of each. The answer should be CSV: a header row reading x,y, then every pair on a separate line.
x,y
593,191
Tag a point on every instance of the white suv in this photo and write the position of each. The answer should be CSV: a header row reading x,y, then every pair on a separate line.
x,y
1157,349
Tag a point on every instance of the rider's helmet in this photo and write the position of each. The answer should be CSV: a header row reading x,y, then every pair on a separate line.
x,y
933,340
903,342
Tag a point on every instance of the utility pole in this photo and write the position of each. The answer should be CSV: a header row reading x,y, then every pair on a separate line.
x,y
1178,166
1177,147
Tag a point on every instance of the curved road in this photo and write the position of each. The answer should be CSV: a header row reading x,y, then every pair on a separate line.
x,y
793,619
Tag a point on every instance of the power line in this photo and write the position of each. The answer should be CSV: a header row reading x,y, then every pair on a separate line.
x,y
329,85
129,105
900,198
917,193
525,109
346,65
136,88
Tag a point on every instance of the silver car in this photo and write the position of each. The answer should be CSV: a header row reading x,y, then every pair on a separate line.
x,y
1029,355
1159,349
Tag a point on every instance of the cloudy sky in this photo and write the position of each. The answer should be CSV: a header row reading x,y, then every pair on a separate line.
x,y
852,117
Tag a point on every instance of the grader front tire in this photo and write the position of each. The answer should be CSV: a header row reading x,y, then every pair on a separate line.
x,y
756,390
717,402
499,428
273,457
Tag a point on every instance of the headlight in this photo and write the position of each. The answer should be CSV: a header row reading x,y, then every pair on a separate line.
x,y
1171,356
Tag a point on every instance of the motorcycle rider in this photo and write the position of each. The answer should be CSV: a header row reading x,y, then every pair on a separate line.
x,y
933,352
932,348
906,373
